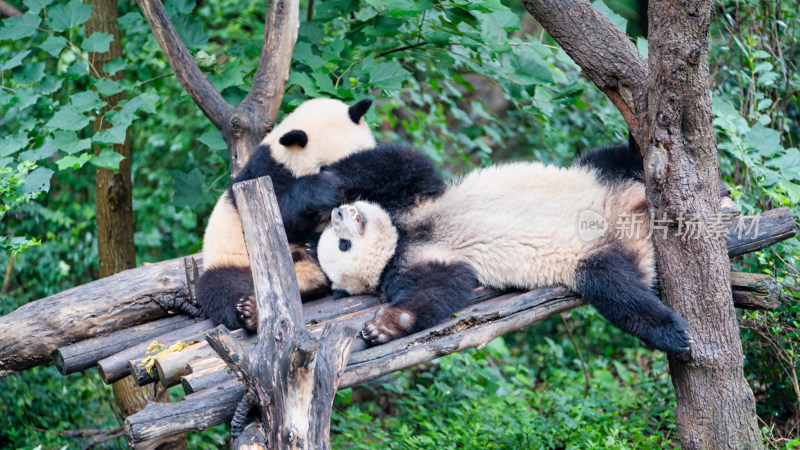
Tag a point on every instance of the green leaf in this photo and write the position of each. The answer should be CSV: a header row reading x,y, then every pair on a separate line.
x,y
788,164
615,18
324,83
174,7
382,25
69,143
114,66
54,45
27,97
107,159
20,27
98,42
189,188
74,162
303,54
15,61
113,135
86,101
108,87
12,144
190,31
35,6
37,181
213,140
297,78
45,151
70,15
389,75
29,73
641,44
68,118
232,76
764,140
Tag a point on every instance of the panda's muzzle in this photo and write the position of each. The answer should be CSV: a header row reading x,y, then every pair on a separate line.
x,y
348,218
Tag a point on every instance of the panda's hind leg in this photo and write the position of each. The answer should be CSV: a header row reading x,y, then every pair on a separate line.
x,y
611,281
221,293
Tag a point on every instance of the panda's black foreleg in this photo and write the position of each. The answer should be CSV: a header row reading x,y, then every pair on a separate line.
x,y
610,280
223,294
419,298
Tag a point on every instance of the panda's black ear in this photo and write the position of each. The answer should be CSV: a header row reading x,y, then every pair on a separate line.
x,y
357,111
293,137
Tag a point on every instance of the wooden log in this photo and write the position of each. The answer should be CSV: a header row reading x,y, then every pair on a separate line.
x,y
172,366
755,291
195,412
750,233
206,373
85,354
115,367
29,335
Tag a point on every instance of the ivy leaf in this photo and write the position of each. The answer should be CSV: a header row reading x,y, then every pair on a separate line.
x,y
617,20
27,97
189,188
389,75
54,45
788,164
37,181
175,7
98,42
45,151
213,140
191,32
70,15
69,143
86,101
764,140
50,84
29,73
75,162
108,87
113,135
114,66
20,27
13,144
108,159
15,61
68,118
324,83
302,53
297,78
35,6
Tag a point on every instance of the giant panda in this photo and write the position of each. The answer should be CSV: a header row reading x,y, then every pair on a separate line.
x,y
320,155
510,226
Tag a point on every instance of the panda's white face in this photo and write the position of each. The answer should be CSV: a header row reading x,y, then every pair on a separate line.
x,y
356,246
319,132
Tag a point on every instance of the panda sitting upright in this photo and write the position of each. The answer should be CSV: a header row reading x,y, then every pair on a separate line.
x,y
510,226
320,155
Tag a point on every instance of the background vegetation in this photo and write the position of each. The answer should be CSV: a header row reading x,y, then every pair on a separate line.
x,y
470,83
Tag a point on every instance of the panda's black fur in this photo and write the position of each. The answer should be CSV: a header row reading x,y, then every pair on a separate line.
x,y
394,176
438,257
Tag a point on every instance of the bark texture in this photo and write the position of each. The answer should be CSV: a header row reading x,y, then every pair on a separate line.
x,y
8,10
715,406
604,53
244,126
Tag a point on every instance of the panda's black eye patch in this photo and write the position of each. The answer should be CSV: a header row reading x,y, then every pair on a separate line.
x,y
345,244
294,137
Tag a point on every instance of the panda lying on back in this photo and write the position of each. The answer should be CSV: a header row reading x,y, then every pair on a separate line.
x,y
320,155
507,226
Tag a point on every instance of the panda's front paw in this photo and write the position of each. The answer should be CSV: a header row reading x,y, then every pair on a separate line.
x,y
247,313
389,324
329,191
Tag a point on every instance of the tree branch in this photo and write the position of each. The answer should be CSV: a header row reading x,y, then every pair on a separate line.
x,y
605,54
9,10
193,80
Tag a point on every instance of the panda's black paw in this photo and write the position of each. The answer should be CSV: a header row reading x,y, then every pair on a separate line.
x,y
328,191
247,313
389,324
671,336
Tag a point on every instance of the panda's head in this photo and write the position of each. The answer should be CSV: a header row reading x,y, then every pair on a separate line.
x,y
354,249
320,132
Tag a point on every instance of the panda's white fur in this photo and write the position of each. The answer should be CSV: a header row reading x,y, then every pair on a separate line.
x,y
522,226
516,225
331,137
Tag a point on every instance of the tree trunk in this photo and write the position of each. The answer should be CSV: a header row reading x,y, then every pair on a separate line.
x,y
716,408
114,206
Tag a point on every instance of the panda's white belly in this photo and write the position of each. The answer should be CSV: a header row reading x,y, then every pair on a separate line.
x,y
518,225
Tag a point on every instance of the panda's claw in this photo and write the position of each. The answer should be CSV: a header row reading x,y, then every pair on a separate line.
x,y
248,313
